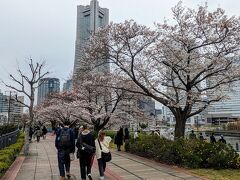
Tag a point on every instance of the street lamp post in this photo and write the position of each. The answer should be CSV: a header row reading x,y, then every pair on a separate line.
x,y
9,106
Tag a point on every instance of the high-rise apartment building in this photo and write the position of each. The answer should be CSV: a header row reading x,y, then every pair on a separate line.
x,y
47,86
89,19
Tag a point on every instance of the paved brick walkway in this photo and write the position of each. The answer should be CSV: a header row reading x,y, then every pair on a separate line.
x,y
42,165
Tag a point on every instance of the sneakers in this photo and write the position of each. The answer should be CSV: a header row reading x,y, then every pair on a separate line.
x,y
89,177
68,175
101,177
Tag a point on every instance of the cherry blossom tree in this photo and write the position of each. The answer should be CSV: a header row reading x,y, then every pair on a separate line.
x,y
185,65
91,104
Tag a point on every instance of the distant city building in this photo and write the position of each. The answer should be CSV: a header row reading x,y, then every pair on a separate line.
x,y
158,116
89,19
9,107
68,85
47,86
196,120
148,105
226,110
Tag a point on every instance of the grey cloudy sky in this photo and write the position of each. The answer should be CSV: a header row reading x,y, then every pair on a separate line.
x,y
45,29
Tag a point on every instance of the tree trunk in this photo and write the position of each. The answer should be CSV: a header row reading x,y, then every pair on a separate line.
x,y
26,143
180,127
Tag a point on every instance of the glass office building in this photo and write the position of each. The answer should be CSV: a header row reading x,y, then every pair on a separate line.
x,y
47,86
89,19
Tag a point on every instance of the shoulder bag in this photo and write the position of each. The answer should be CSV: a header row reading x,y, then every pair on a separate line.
x,y
105,156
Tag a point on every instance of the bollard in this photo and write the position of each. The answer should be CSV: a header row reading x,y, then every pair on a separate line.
x,y
237,147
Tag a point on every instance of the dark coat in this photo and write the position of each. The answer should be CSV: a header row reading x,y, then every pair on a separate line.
x,y
127,136
118,138
85,137
212,139
71,149
44,130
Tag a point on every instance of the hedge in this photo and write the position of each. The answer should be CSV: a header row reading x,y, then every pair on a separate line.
x,y
8,154
7,128
186,153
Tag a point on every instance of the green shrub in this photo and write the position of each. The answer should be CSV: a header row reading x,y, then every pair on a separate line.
x,y
7,128
8,154
187,153
127,145
111,134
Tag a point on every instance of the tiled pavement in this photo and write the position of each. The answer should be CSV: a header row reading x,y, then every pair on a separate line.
x,y
42,165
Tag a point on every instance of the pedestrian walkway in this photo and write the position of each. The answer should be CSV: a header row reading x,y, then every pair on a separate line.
x,y
42,164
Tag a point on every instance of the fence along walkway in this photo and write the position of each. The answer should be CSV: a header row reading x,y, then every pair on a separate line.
x,y
8,139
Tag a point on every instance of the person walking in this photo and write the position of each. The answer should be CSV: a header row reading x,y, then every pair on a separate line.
x,y
86,150
44,132
65,144
212,139
119,139
136,135
102,145
126,135
222,140
38,133
192,135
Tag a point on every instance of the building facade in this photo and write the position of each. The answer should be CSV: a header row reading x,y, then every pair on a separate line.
x,y
89,19
68,85
10,109
227,109
47,86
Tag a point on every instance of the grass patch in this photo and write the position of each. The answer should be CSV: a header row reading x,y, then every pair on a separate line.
x,y
222,174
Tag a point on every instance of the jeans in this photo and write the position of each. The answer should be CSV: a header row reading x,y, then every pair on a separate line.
x,y
85,164
63,161
38,138
101,166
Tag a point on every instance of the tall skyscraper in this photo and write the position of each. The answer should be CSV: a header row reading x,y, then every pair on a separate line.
x,y
89,19
46,86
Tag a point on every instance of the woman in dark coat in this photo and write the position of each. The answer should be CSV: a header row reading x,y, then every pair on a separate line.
x,y
126,135
119,139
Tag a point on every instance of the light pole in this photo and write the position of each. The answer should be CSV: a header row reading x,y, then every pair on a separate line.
x,y
9,106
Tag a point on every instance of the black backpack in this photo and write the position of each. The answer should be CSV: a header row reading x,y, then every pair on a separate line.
x,y
65,138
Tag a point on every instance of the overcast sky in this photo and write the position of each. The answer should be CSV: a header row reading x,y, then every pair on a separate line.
x,y
45,29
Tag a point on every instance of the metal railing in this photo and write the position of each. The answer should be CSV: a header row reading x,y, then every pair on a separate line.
x,y
8,139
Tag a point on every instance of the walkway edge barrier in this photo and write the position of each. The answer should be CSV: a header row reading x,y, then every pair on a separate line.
x,y
12,172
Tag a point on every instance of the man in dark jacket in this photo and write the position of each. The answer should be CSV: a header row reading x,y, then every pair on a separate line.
x,y
212,138
65,144
85,144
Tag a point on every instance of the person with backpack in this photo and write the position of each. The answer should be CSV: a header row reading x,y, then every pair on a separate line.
x,y
102,146
65,144
38,133
86,151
